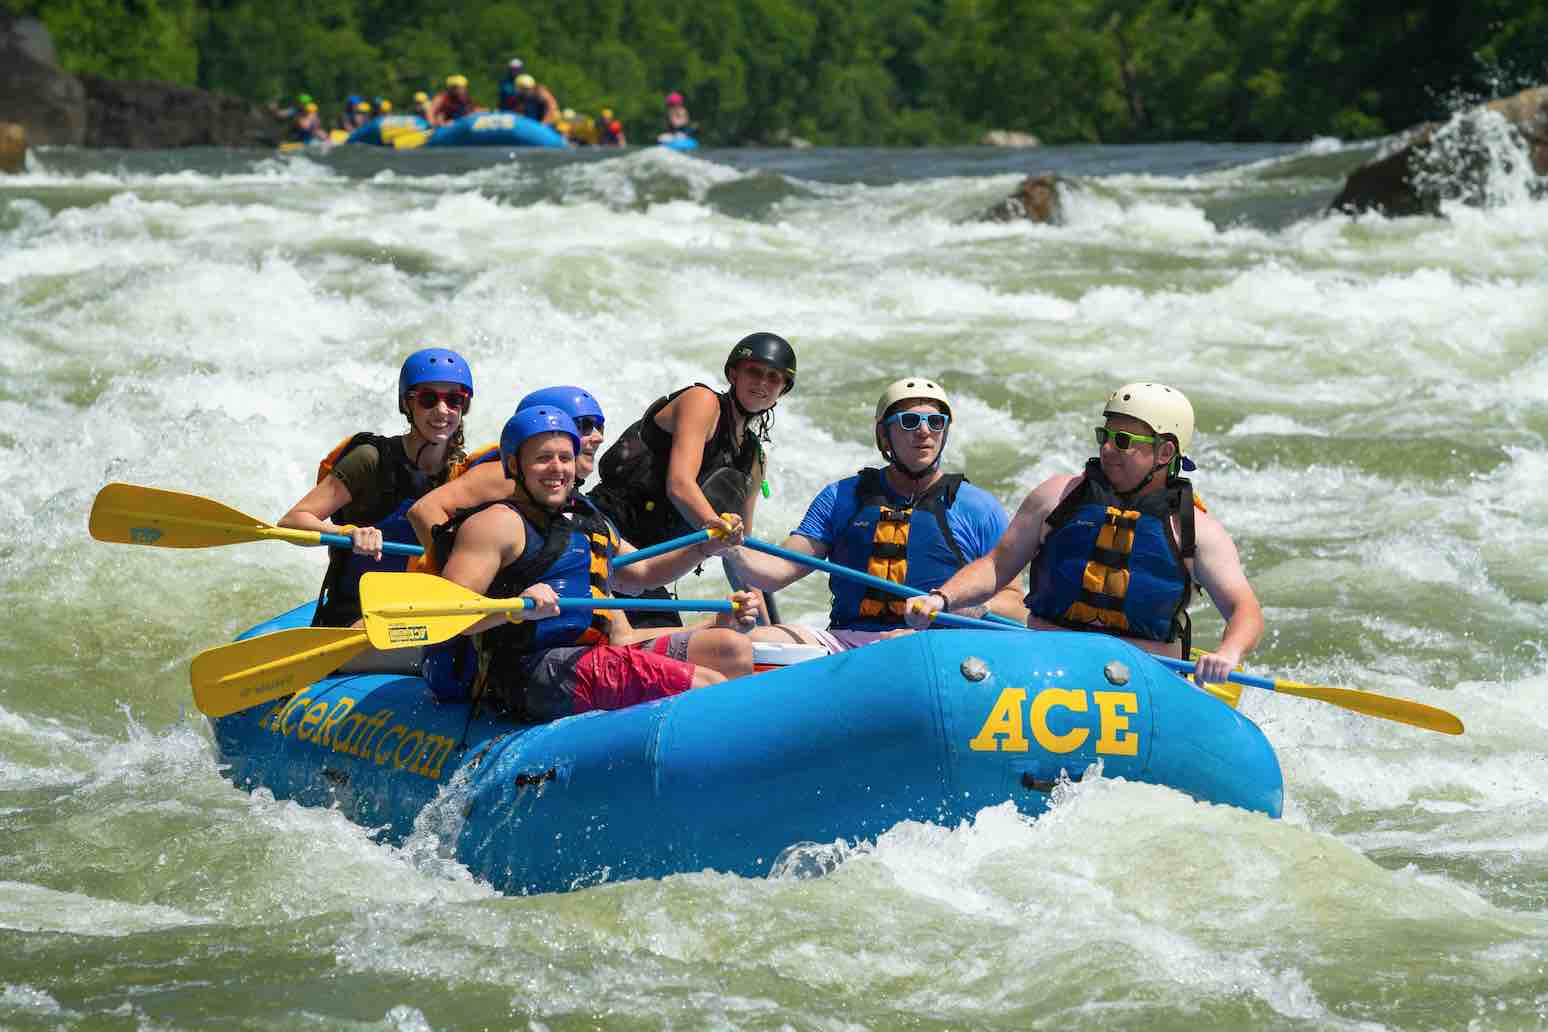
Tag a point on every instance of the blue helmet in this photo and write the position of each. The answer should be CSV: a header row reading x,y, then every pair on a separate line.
x,y
529,422
434,365
576,401
354,98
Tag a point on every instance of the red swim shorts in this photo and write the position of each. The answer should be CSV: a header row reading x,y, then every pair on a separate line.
x,y
615,676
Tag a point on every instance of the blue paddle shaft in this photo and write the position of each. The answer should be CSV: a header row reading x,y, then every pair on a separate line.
x,y
892,587
665,546
1183,666
659,605
388,547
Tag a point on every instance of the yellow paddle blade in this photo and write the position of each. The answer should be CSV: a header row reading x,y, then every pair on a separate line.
x,y
129,514
406,609
271,666
338,135
290,145
410,139
1403,711
1228,693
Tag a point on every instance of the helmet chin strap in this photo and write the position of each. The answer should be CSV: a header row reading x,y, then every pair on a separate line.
x,y
897,464
530,498
1137,488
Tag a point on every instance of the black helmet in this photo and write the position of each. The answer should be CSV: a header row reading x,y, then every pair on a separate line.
x,y
766,347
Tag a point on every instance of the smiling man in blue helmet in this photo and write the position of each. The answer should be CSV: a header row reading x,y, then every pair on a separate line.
x,y
1121,547
485,480
908,522
546,542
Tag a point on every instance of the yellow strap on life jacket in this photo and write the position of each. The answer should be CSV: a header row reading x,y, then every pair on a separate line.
x,y
1116,539
600,631
889,561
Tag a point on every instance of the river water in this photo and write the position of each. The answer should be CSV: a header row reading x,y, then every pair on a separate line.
x,y
1371,403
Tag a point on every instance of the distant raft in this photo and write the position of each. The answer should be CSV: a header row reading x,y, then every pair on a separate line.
x,y
932,727
678,141
496,129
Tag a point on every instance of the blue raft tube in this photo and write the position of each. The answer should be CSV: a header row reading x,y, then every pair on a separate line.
x,y
932,726
496,129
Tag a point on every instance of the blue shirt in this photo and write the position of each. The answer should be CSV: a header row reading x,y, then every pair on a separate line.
x,y
976,518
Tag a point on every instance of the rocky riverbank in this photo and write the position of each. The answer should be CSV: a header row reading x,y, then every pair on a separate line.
x,y
56,108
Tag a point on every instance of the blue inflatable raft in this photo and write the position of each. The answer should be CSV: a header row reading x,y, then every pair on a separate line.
x,y
929,727
496,129
678,141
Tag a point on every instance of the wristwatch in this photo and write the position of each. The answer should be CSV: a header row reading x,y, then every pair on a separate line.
x,y
945,601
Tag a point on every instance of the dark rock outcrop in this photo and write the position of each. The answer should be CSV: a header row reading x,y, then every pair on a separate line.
x,y
35,92
13,147
140,115
1455,160
1037,198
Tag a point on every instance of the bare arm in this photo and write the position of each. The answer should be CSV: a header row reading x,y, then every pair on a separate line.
x,y
485,543
1007,602
770,572
662,569
983,578
1218,568
315,508
485,482
694,415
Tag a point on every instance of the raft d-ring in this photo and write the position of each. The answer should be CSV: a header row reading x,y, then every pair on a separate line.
x,y
1116,672
974,669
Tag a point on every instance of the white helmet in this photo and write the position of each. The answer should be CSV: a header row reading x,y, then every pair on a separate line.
x,y
911,387
903,390
1164,409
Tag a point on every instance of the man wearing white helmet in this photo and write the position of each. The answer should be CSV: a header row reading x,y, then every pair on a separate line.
x,y
907,522
1121,547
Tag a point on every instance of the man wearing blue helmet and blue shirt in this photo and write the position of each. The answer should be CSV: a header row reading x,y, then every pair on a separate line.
x,y
544,542
908,522
1121,547
367,483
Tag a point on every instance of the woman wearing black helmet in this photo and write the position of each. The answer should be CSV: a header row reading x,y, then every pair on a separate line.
x,y
698,453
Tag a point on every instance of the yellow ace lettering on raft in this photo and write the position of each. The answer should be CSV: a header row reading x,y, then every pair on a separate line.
x,y
1004,729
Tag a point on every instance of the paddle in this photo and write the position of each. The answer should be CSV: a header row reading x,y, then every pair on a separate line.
x,y
1387,707
892,587
128,514
271,666
1372,705
407,609
666,546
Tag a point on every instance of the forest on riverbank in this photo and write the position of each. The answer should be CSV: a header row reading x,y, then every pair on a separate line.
x,y
886,72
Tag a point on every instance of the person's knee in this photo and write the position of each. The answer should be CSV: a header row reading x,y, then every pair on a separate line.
x,y
703,676
723,650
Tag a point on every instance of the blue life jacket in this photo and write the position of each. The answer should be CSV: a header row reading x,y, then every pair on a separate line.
x,y
508,100
1113,564
907,544
571,553
399,485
